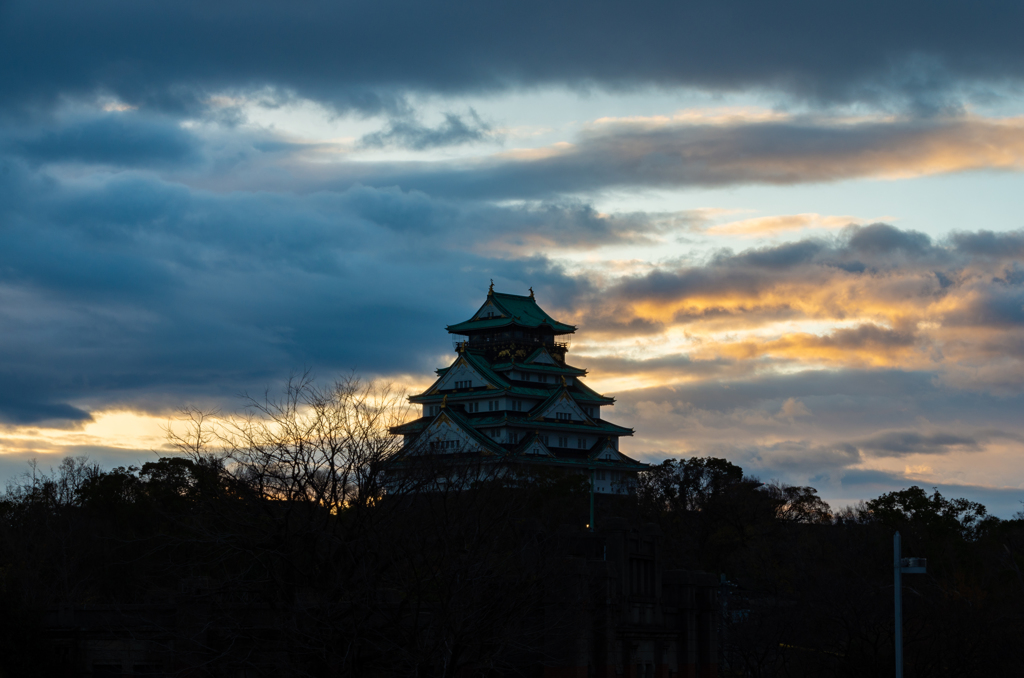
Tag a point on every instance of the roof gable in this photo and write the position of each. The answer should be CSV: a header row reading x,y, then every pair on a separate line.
x,y
467,367
561,403
590,395
541,357
534,446
604,451
449,433
489,310
460,371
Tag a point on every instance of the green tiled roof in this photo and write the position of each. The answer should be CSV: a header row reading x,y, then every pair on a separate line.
x,y
581,396
480,364
468,427
573,457
476,362
541,367
589,395
459,419
518,310
599,425
414,426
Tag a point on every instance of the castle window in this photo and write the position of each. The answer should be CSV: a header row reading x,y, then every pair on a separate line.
x,y
581,443
563,442
564,416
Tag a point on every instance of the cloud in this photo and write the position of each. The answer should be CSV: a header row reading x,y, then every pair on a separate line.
x,y
369,55
851,433
635,153
873,296
859,346
899,443
126,289
456,130
680,154
121,139
760,227
988,243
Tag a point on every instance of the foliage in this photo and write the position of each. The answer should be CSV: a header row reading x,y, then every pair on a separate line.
x,y
935,513
288,510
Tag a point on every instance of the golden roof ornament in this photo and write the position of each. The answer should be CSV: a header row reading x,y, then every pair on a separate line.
x,y
531,293
490,290
444,400
563,380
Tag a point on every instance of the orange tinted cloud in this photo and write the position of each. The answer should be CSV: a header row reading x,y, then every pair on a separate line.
x,y
759,227
879,298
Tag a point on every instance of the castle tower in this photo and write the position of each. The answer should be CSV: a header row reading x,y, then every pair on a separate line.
x,y
510,396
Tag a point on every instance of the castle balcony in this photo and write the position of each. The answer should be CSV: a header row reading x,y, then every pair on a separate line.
x,y
508,345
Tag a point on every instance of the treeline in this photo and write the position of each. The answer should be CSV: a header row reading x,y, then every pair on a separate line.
x,y
276,544
810,591
279,540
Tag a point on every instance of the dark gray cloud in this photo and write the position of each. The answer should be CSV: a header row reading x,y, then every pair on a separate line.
x,y
900,443
865,335
859,250
999,305
823,391
368,54
842,410
124,140
456,130
886,239
988,243
675,365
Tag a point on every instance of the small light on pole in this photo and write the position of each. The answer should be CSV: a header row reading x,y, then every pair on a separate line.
x,y
900,567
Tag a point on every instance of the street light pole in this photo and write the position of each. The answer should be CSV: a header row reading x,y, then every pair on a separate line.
x,y
898,576
593,473
901,566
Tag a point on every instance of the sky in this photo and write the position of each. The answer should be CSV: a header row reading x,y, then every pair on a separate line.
x,y
789,233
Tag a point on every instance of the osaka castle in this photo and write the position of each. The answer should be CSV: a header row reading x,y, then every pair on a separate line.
x,y
510,400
